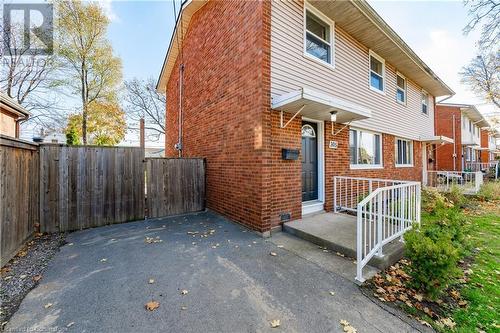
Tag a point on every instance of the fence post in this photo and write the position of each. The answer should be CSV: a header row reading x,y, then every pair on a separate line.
x,y
335,194
479,180
379,224
359,244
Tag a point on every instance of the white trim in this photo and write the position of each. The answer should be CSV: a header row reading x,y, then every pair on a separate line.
x,y
367,166
310,207
405,88
331,24
427,102
382,60
320,138
406,165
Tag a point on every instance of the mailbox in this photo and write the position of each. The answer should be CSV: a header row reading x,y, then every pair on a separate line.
x,y
290,154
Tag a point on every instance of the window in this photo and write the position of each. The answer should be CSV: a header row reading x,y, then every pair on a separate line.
x,y
318,37
404,152
365,148
425,102
470,126
377,72
308,131
401,89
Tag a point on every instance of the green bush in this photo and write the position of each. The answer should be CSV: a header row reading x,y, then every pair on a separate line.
x,y
433,258
432,199
489,191
456,196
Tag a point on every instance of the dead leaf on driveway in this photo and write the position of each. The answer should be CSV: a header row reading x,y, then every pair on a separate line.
x,y
37,278
151,281
104,260
184,292
347,327
153,305
332,293
48,305
70,324
279,246
184,307
275,323
273,254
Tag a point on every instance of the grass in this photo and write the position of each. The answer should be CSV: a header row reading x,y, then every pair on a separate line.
x,y
482,291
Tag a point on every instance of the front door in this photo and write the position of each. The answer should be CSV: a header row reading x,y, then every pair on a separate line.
x,y
309,161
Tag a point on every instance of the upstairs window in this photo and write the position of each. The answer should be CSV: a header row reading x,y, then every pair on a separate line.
x,y
425,102
318,37
404,152
365,148
377,72
401,89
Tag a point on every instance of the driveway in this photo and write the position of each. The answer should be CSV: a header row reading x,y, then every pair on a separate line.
x,y
99,282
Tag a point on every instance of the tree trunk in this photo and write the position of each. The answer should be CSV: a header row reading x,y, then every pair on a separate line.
x,y
84,104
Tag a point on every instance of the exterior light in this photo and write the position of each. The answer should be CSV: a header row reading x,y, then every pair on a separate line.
x,y
333,116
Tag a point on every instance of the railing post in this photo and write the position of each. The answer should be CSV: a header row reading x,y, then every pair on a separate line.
x,y
335,194
479,180
359,244
379,225
369,186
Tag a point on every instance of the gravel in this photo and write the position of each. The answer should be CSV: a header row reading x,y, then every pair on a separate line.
x,y
23,272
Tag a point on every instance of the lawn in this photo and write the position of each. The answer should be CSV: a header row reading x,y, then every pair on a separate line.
x,y
469,297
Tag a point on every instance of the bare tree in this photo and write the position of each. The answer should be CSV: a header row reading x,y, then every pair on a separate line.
x,y
27,76
482,75
143,101
484,14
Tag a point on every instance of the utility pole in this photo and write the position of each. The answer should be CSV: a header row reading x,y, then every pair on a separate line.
x,y
141,130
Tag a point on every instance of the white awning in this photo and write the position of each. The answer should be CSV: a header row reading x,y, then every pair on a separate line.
x,y
438,139
316,105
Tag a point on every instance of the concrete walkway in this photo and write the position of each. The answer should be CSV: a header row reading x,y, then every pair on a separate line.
x,y
233,283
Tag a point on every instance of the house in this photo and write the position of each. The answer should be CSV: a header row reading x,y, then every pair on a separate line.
x,y
281,97
471,134
11,115
489,138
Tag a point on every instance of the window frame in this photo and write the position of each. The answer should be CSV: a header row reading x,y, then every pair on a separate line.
x,y
405,91
423,92
410,146
381,145
382,60
330,23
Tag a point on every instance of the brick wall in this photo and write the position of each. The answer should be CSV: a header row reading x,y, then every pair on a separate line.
x,y
225,106
443,122
484,154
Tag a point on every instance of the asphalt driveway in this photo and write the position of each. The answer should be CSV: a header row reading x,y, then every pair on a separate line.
x,y
99,282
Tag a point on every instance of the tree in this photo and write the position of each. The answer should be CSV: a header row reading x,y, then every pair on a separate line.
x,y
482,75
143,101
486,15
27,76
72,137
106,124
91,69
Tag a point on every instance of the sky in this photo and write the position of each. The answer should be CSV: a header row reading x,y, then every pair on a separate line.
x,y
140,32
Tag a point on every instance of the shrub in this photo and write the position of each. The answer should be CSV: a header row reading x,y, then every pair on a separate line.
x,y
432,199
489,191
433,258
456,196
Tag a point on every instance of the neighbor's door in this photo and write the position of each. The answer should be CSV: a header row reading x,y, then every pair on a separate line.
x,y
309,161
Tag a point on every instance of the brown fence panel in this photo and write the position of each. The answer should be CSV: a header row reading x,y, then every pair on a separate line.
x,y
84,187
175,186
19,194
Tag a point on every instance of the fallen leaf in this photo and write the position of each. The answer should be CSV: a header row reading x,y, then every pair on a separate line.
x,y
151,281
183,307
462,303
332,293
37,278
347,327
273,254
70,244
23,276
275,323
184,292
418,297
153,305
48,305
448,322
279,246
104,260
70,324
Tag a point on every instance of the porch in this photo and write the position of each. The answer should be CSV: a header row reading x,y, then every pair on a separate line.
x,y
336,232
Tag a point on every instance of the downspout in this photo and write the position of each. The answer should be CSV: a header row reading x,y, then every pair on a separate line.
x,y
179,142
454,145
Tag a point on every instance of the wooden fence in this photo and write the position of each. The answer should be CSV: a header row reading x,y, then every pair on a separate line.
x,y
65,188
175,186
84,187
19,189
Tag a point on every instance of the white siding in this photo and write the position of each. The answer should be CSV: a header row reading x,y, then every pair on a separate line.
x,y
291,70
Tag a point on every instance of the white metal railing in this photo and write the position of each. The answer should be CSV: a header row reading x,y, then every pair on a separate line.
x,y
384,215
483,166
349,191
468,182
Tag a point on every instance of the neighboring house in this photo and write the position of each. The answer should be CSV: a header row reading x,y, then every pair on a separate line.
x,y
154,152
11,115
489,138
261,81
463,123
